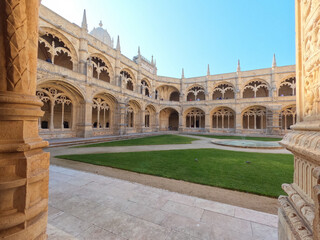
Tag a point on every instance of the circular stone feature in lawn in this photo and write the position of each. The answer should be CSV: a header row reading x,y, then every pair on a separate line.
x,y
248,144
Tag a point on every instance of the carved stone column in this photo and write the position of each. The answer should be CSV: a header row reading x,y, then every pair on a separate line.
x,y
24,167
157,121
143,120
84,128
207,122
181,126
122,119
299,211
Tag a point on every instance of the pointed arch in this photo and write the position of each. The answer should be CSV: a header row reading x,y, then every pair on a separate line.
x,y
223,118
256,88
223,90
196,93
254,117
106,66
68,44
194,118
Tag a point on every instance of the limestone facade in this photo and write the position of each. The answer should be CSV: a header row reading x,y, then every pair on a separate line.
x,y
299,212
89,88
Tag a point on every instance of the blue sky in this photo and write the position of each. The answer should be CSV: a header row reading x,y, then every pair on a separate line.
x,y
190,34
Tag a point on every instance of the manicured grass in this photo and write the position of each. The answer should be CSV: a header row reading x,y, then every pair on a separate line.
x,y
241,137
227,169
154,140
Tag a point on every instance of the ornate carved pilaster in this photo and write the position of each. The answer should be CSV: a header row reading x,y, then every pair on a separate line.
x,y
24,167
299,211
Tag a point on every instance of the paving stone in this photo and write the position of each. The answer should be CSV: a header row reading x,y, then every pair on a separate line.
x,y
189,226
263,232
96,233
70,224
255,216
183,210
227,223
215,206
89,206
181,198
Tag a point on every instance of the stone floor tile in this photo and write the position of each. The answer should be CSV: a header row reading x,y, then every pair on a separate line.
x,y
79,181
188,226
96,233
117,204
255,216
181,198
108,208
149,198
57,234
63,187
222,234
183,210
215,206
116,192
128,226
56,197
70,224
78,207
89,195
175,235
147,213
227,222
263,232
53,212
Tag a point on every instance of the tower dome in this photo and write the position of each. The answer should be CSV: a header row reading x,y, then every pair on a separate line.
x,y
102,35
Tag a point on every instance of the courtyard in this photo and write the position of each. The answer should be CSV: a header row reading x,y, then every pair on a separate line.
x,y
87,201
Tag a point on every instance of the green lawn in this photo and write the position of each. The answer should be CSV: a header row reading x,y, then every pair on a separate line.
x,y
220,168
240,137
154,140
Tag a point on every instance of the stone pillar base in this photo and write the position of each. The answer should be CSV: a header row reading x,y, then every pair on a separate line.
x,y
84,131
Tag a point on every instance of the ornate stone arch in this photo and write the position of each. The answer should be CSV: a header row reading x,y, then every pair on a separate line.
x,y
254,117
255,88
150,116
288,117
287,86
223,90
145,87
61,106
74,53
74,89
196,92
194,118
106,61
133,114
127,76
104,112
223,117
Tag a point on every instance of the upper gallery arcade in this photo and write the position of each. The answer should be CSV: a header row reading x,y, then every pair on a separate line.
x,y
89,88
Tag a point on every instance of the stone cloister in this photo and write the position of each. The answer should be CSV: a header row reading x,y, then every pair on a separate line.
x,y
89,88
63,85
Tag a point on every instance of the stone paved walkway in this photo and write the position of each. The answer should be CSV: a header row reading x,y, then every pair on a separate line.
x,y
89,206
201,143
